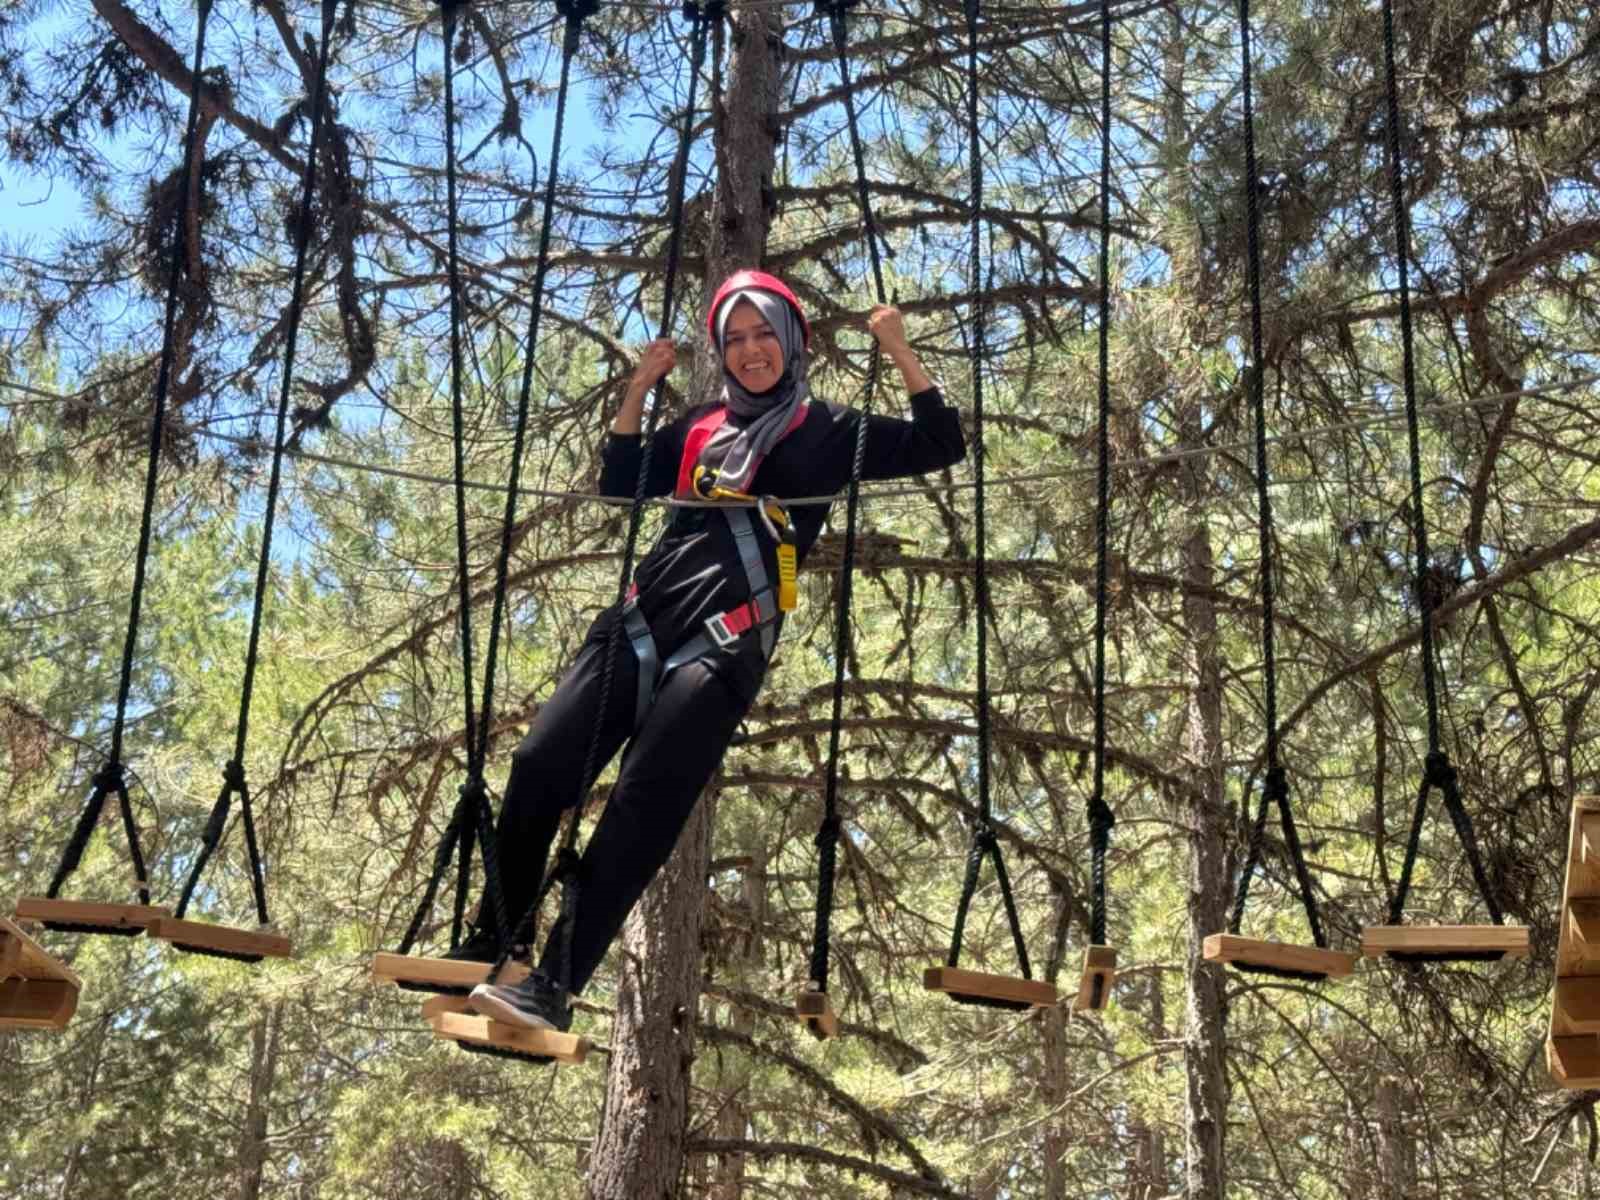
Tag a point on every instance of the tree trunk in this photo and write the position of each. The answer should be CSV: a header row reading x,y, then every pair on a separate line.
x,y
1204,812
733,1112
263,1068
1397,1157
639,1153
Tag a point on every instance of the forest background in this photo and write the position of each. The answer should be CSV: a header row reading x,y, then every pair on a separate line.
x,y
190,1077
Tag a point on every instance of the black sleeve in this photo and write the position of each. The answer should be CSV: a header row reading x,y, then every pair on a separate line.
x,y
619,462
930,441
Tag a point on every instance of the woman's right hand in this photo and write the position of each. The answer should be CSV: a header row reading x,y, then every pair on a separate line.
x,y
655,363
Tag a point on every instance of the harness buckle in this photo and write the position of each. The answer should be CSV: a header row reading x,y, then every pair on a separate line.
x,y
717,627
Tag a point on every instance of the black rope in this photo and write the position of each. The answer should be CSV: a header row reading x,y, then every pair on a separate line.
x,y
110,778
1101,818
1276,787
566,872
473,820
984,841
234,782
835,11
1438,773
827,839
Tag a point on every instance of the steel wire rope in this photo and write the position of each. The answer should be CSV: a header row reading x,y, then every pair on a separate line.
x,y
1437,771
111,778
1275,787
234,777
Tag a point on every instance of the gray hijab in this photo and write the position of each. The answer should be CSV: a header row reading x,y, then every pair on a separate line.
x,y
735,454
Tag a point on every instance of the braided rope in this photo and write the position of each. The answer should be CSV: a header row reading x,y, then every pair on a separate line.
x,y
234,782
1437,771
567,859
1276,789
827,839
110,778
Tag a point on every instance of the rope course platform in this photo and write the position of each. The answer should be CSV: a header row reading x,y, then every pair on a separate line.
x,y
450,1020
1280,958
221,941
1445,943
446,976
990,991
36,991
87,916
1572,1050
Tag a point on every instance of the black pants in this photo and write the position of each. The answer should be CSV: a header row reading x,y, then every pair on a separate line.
x,y
665,769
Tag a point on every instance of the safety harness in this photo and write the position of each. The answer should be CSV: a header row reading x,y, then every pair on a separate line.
x,y
758,614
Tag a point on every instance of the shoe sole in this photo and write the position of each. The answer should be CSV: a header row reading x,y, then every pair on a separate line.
x,y
484,1002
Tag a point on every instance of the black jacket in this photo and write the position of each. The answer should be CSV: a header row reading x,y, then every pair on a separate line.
x,y
693,571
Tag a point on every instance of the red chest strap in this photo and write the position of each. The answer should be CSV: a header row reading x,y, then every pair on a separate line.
x,y
702,432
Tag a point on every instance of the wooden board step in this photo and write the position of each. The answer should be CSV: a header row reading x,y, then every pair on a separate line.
x,y
36,990
445,975
1098,977
80,916
221,941
991,991
473,1032
1574,1062
1572,1049
1445,943
1311,963
812,1007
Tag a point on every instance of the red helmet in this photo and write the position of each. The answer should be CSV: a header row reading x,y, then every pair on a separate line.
x,y
740,280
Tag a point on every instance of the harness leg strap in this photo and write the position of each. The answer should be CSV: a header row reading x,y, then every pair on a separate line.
x,y
644,649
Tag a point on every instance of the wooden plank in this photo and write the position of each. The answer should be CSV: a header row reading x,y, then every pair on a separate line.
x,y
132,919
1573,1049
1281,956
1577,1007
813,1008
957,982
439,974
492,1035
23,958
436,1006
202,936
1509,940
37,1003
1097,979
1574,1062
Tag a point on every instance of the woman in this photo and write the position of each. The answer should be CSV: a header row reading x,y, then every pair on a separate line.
x,y
699,627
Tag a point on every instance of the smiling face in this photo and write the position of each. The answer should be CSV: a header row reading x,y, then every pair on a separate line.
x,y
751,349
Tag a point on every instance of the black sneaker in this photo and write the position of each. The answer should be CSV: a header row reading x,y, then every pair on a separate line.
x,y
538,1002
481,945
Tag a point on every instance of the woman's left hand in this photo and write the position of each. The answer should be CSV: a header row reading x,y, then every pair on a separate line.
x,y
886,323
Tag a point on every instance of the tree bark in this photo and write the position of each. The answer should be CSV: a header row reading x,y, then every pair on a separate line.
x,y
1203,809
263,1069
638,1154
1397,1156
